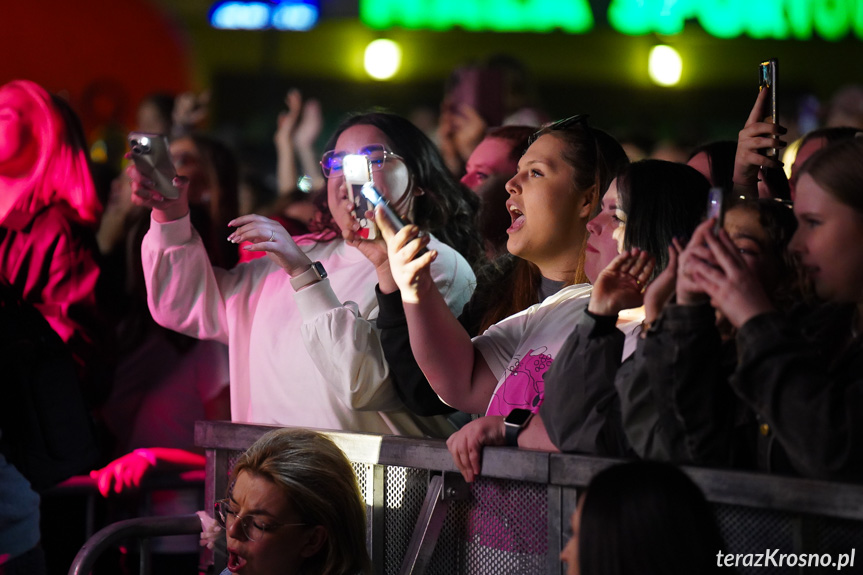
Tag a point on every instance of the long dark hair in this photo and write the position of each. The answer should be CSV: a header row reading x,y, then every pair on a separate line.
x,y
596,158
662,200
646,518
446,208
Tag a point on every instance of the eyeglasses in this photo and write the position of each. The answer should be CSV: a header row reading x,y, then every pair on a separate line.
x,y
580,119
331,162
252,526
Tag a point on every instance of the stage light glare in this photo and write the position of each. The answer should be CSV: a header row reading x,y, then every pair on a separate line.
x,y
383,59
664,65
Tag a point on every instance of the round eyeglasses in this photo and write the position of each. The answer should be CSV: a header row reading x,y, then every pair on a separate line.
x,y
331,162
253,527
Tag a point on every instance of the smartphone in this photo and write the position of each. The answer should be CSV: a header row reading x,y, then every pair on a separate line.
x,y
153,159
714,208
358,173
767,74
376,199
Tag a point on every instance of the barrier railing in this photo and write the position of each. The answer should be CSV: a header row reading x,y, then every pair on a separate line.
x,y
141,528
422,518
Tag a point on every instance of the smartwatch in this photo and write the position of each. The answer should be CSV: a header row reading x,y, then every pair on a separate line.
x,y
312,275
514,423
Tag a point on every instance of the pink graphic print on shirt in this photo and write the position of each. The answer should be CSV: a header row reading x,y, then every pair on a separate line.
x,y
524,386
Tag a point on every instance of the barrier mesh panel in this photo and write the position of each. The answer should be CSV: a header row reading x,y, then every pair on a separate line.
x,y
751,531
502,528
361,470
405,491
233,457
836,537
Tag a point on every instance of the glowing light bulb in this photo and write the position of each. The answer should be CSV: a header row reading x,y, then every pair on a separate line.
x,y
664,65
382,59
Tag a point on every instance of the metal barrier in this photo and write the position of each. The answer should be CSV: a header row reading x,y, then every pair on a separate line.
x,y
140,528
422,518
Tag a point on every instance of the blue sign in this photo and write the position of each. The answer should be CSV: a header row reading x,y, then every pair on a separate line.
x,y
293,15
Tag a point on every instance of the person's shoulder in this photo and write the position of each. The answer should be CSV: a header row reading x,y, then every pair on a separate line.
x,y
448,257
445,251
568,295
61,221
59,217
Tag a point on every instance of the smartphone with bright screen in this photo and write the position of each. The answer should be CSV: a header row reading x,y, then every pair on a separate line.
x,y
714,208
358,172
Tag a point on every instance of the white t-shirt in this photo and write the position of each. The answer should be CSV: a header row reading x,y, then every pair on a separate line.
x,y
520,349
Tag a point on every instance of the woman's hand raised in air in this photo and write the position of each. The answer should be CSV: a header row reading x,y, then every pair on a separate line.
x,y
270,236
410,269
660,291
144,194
621,284
734,289
752,141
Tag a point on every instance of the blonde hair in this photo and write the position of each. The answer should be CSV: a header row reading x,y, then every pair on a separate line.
x,y
320,482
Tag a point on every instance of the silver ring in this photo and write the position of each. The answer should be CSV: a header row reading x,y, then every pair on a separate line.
x,y
272,235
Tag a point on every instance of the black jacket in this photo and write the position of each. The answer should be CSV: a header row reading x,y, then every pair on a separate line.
x,y
786,396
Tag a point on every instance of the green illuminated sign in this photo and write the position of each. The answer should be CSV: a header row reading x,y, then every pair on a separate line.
x,y
573,16
774,19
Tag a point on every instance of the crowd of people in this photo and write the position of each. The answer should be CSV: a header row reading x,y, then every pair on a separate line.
x,y
537,289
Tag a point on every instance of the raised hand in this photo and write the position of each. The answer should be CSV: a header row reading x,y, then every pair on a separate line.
x,y
311,122
733,287
621,284
661,289
688,291
164,209
288,119
410,271
752,140
266,235
375,250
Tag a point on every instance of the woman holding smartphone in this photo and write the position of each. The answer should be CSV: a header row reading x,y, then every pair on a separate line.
x,y
560,178
297,354
801,373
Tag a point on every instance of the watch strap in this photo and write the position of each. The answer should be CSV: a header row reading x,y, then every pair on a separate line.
x,y
512,429
314,274
510,435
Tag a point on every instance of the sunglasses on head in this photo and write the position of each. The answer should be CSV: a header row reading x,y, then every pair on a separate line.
x,y
580,119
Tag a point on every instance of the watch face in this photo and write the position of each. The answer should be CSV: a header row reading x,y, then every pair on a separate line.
x,y
321,271
518,417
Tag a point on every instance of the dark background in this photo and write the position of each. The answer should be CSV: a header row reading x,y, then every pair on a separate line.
x,y
105,55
